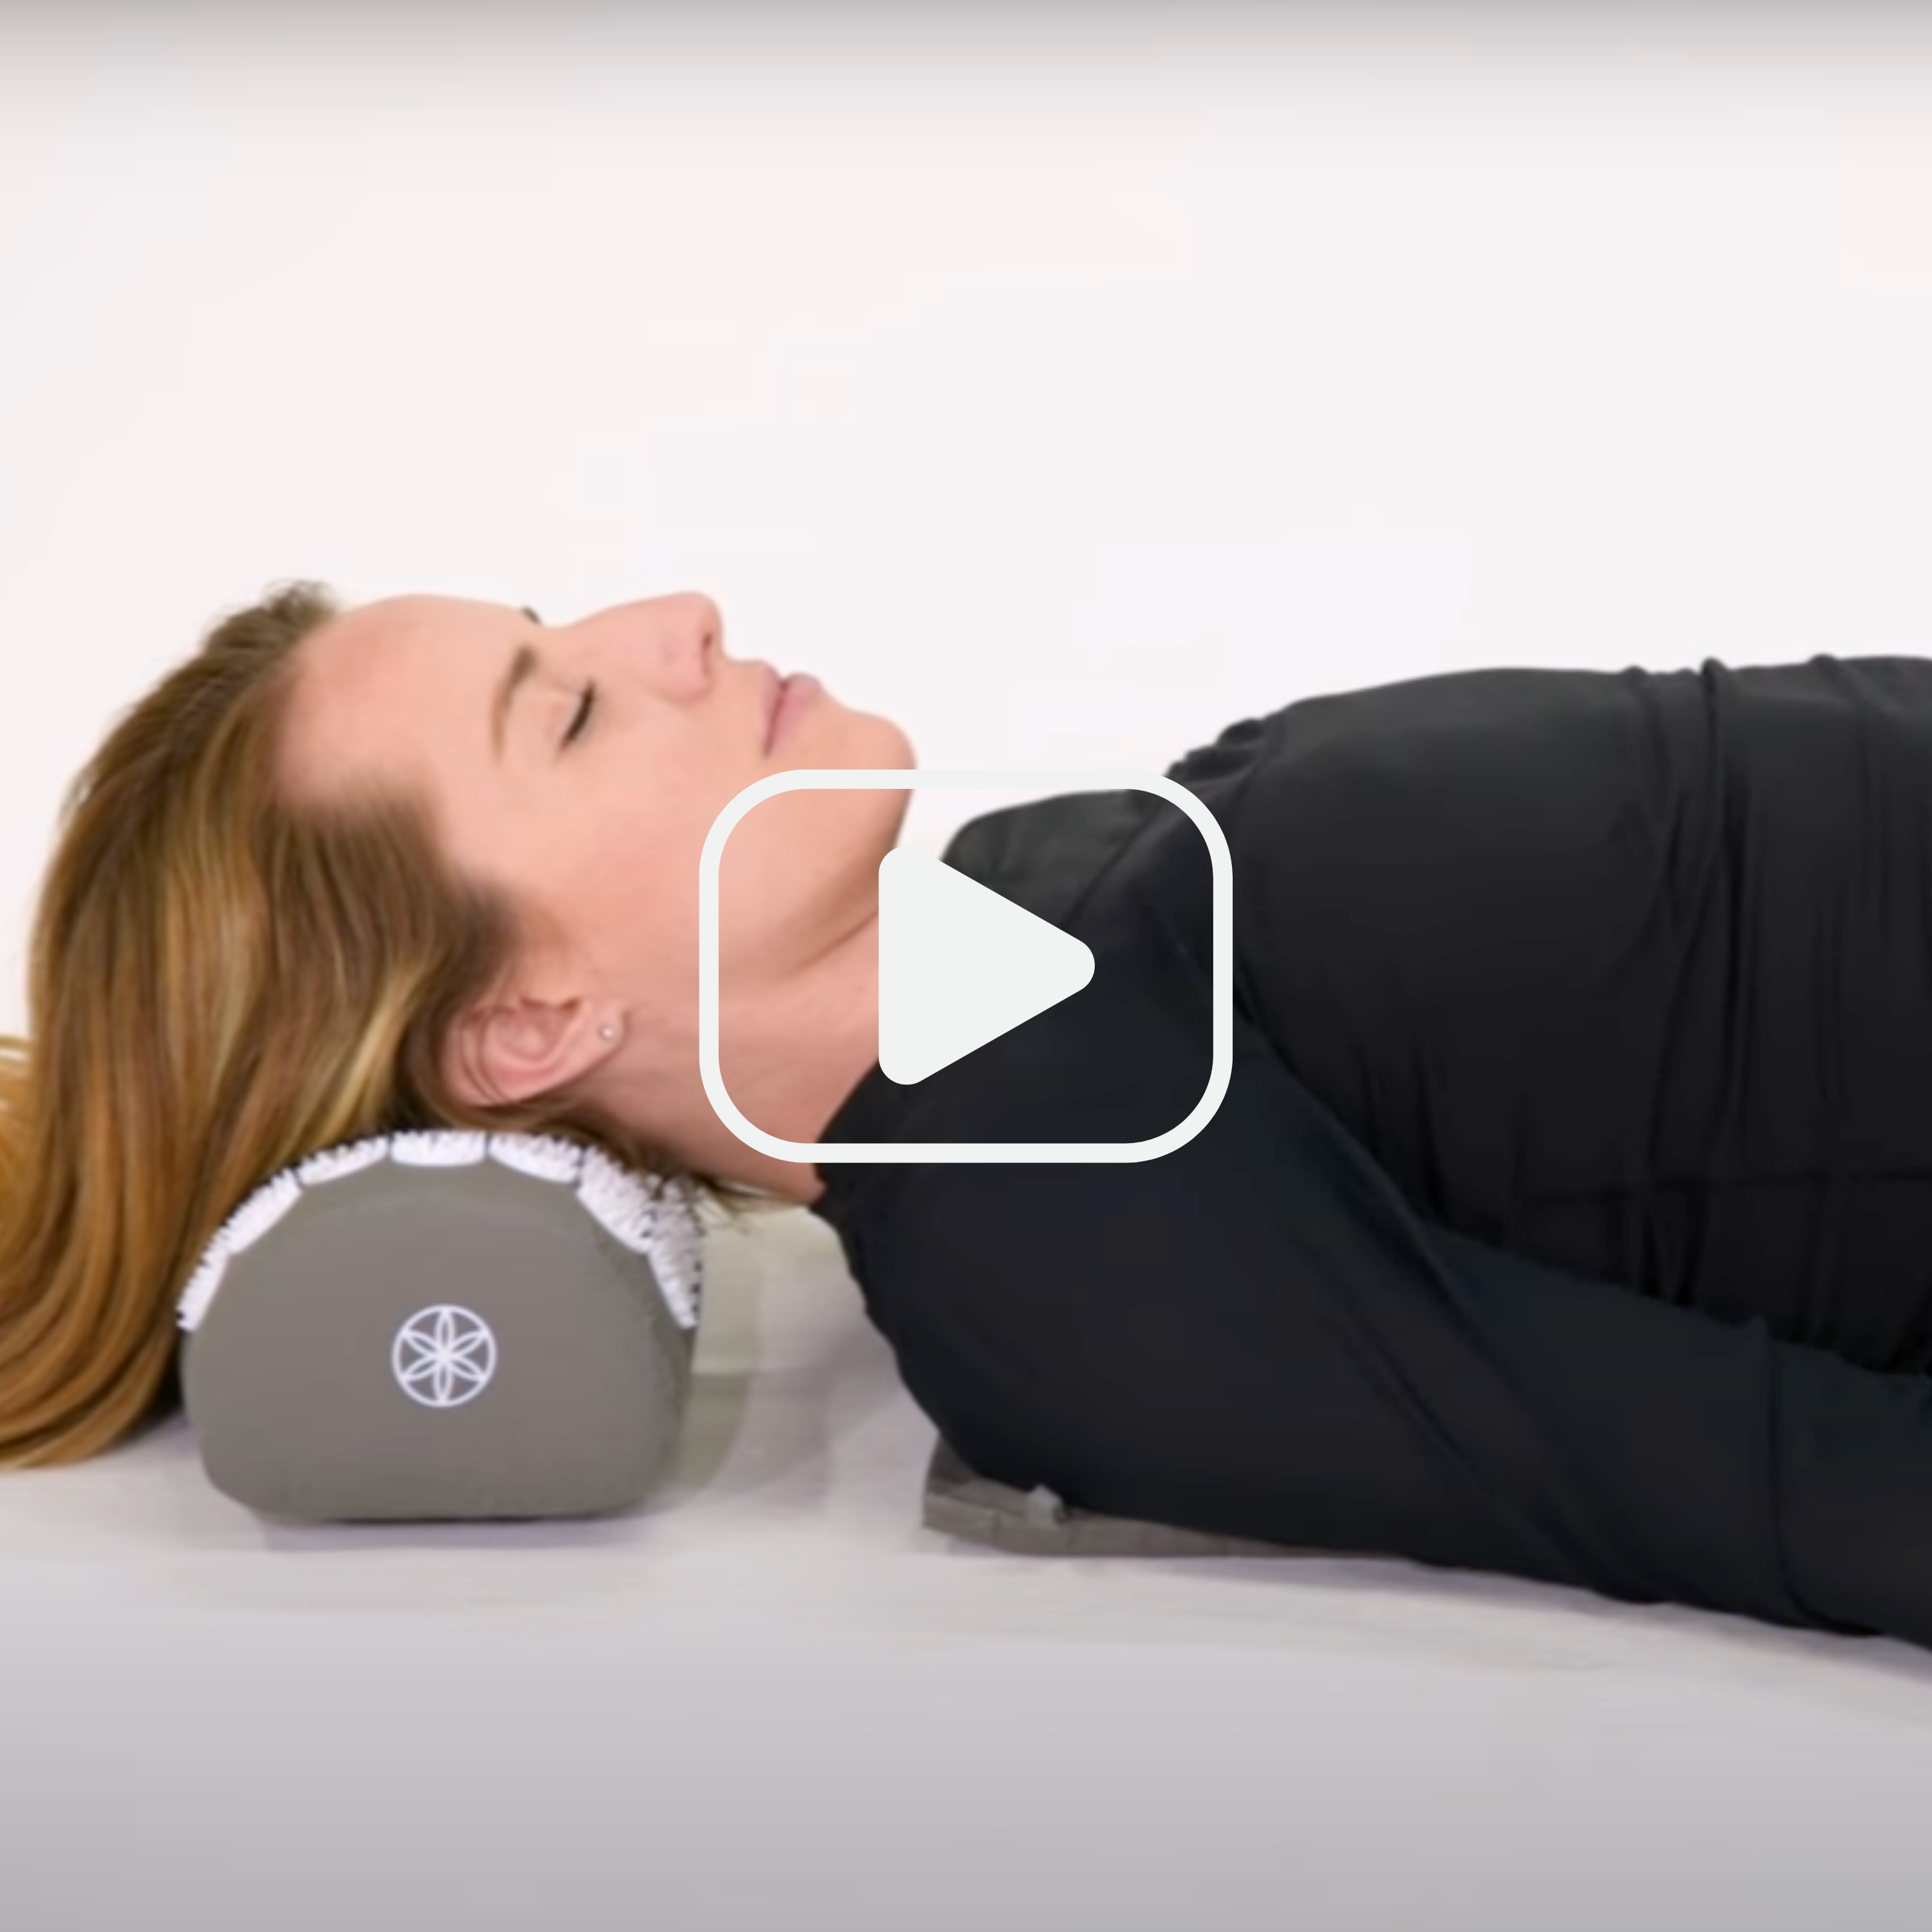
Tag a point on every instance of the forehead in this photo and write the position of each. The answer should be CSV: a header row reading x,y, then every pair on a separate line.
x,y
369,678
399,633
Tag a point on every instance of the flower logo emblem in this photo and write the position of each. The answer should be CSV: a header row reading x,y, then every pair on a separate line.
x,y
444,1356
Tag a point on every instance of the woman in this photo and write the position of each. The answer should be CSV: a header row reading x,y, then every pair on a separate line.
x,y
1566,1215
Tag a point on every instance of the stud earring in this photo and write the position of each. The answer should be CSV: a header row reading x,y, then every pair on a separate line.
x,y
606,1032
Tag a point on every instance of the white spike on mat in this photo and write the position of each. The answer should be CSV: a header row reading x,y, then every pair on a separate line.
x,y
620,1200
548,1156
261,1211
351,1157
202,1284
677,1255
654,1217
438,1147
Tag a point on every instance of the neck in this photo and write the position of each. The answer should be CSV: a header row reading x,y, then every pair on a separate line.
x,y
790,1051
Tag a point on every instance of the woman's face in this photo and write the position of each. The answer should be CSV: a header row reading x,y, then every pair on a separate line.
x,y
581,767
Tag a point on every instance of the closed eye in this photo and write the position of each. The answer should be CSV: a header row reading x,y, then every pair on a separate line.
x,y
583,717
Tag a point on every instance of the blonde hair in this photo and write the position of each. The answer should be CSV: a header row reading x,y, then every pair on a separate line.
x,y
220,982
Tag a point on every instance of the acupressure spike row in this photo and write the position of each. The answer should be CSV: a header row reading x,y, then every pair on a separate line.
x,y
650,1214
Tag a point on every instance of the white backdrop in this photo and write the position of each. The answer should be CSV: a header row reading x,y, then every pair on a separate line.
x,y
1066,384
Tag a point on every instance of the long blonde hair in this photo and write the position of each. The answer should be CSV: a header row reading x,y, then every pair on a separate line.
x,y
219,983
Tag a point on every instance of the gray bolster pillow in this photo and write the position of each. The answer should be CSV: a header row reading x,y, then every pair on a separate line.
x,y
445,1324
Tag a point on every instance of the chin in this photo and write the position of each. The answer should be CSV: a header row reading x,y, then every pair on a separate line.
x,y
833,736
886,746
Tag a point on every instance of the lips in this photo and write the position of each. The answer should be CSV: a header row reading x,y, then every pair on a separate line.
x,y
790,696
774,694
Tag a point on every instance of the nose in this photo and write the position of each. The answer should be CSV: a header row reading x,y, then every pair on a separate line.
x,y
682,634
700,620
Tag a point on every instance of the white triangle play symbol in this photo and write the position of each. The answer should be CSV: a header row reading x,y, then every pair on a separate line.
x,y
959,965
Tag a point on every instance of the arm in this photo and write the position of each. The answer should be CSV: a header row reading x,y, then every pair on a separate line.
x,y
1763,1475
1255,1336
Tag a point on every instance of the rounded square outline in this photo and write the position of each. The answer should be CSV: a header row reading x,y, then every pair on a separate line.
x,y
817,779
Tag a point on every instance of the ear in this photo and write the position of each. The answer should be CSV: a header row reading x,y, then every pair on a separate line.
x,y
509,1049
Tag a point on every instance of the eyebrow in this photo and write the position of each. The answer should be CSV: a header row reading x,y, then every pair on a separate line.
x,y
522,665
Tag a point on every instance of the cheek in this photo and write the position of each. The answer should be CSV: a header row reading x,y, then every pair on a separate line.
x,y
799,856
606,887
632,866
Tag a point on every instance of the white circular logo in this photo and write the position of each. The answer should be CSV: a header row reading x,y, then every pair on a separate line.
x,y
444,1356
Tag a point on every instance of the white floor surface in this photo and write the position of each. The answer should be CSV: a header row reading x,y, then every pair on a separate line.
x,y
773,1699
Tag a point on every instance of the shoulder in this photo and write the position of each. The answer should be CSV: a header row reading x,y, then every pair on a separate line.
x,y
1046,855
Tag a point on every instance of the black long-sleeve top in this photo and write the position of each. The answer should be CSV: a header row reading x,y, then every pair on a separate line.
x,y
1569,1211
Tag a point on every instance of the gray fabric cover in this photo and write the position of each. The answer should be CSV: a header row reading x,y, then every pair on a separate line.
x,y
298,1387
290,1382
1036,1522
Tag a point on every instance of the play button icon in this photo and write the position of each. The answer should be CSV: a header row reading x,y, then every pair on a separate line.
x,y
959,965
